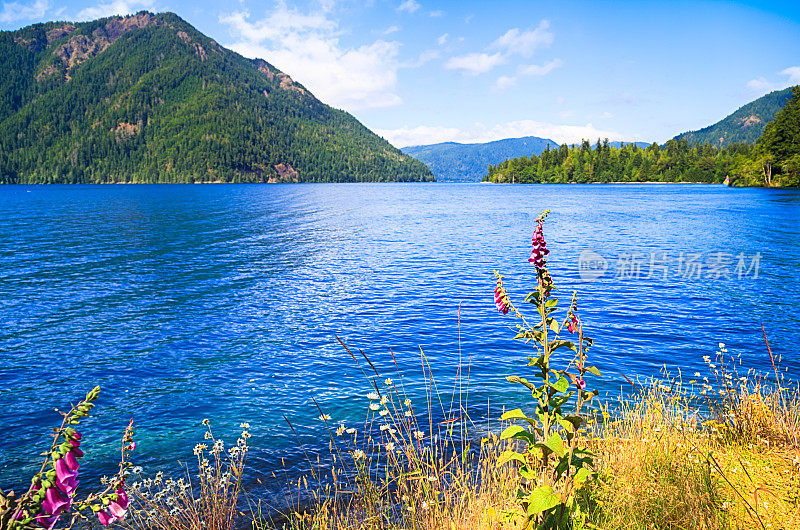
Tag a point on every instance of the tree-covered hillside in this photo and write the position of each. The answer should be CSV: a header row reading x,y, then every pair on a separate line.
x,y
147,98
774,160
743,126
454,162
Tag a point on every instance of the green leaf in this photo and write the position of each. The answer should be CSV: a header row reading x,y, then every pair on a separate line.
x,y
542,499
516,379
562,385
556,344
581,477
551,303
593,370
567,425
508,456
515,414
556,444
551,322
510,431
576,421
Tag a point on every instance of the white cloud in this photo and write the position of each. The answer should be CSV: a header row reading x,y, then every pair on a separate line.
x,y
524,43
475,63
307,47
503,82
15,11
537,70
442,40
479,133
390,30
115,7
794,74
606,115
560,100
436,14
409,5
760,85
512,42
425,57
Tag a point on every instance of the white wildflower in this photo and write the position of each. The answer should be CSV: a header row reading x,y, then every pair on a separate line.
x,y
721,345
390,446
419,435
384,412
408,414
324,417
374,406
384,400
373,396
350,431
244,425
389,382
358,454
340,430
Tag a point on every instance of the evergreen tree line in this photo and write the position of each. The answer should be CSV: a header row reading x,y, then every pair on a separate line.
x,y
774,160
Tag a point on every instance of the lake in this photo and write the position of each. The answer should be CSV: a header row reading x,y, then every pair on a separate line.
x,y
224,302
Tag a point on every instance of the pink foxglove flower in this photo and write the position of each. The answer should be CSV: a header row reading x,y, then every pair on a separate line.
x,y
66,478
104,518
539,250
581,383
500,299
572,325
116,510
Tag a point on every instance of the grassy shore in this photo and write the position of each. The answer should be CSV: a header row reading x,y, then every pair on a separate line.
x,y
666,457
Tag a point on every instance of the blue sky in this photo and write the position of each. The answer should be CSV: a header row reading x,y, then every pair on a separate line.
x,y
418,71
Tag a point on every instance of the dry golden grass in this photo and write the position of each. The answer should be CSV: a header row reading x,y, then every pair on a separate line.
x,y
660,466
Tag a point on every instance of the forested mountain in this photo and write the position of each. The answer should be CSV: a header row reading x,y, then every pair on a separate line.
x,y
454,162
147,98
743,126
774,160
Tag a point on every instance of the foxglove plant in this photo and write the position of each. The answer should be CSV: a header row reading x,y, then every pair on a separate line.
x,y
52,492
552,465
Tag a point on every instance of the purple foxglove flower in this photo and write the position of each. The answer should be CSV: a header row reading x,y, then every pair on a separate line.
x,y
71,461
66,479
54,503
47,522
539,250
105,519
118,507
572,325
499,300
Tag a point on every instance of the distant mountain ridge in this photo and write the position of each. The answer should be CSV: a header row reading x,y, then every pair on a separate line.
x,y
745,125
455,162
148,98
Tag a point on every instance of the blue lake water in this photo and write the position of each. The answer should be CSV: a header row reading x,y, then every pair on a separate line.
x,y
223,302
